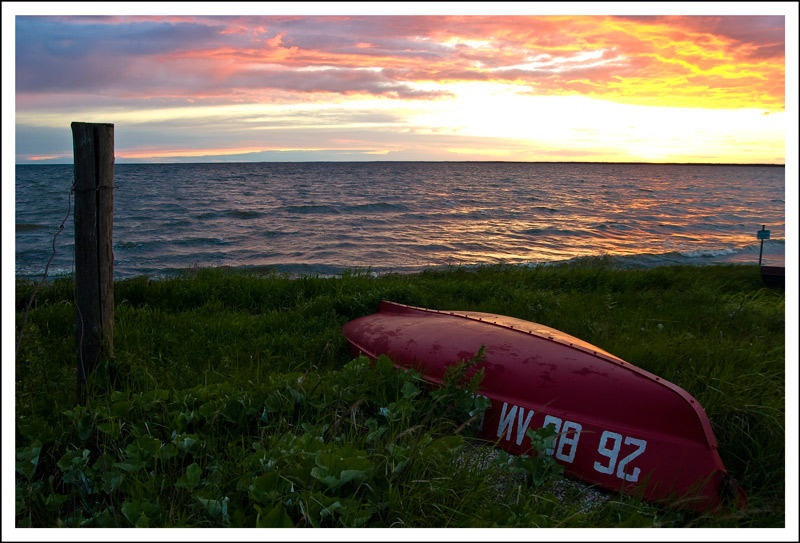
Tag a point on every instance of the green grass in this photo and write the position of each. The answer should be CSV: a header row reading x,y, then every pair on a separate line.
x,y
232,400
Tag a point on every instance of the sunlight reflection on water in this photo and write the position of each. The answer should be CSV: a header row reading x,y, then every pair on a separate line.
x,y
406,216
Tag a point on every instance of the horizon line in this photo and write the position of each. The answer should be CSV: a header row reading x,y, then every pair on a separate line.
x,y
139,163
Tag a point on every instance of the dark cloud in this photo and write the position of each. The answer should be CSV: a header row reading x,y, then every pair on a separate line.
x,y
103,55
93,55
63,37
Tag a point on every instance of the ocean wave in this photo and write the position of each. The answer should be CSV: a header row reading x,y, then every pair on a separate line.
x,y
31,272
310,209
551,232
616,225
201,241
648,260
128,245
377,207
276,233
243,213
707,253
156,244
173,224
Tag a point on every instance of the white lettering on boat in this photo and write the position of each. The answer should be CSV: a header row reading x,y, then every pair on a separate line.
x,y
515,421
522,427
567,435
505,422
612,453
570,434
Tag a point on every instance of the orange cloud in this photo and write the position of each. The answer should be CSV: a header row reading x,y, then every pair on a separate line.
x,y
665,62
45,157
170,153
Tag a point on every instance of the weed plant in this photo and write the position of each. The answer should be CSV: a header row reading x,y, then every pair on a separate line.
x,y
232,400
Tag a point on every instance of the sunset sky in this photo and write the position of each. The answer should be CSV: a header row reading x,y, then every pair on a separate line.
x,y
687,82
540,87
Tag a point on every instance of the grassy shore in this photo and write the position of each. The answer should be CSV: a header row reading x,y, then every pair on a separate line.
x,y
232,400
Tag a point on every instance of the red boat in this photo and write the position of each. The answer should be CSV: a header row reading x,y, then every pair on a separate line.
x,y
618,426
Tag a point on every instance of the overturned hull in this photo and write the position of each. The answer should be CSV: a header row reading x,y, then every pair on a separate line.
x,y
618,426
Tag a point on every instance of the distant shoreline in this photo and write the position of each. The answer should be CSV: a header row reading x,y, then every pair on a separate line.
x,y
430,162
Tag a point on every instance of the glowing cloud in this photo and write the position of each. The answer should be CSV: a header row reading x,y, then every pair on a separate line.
x,y
465,87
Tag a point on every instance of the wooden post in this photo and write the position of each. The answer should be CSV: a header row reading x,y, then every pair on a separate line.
x,y
93,148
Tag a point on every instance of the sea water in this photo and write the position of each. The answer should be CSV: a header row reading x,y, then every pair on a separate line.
x,y
325,218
